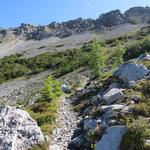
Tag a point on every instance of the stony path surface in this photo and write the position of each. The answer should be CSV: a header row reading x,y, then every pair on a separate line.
x,y
61,136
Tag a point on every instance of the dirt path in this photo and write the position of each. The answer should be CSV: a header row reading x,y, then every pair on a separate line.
x,y
62,136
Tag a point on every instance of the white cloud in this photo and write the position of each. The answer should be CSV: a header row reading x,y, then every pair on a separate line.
x,y
88,3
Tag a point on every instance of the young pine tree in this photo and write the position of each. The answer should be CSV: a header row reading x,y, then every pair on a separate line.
x,y
50,90
119,54
96,59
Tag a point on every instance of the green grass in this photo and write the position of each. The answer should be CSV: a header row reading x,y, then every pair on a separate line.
x,y
134,138
45,115
134,50
45,110
142,109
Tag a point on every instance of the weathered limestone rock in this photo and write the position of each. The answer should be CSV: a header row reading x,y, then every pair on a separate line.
x,y
131,72
113,95
18,131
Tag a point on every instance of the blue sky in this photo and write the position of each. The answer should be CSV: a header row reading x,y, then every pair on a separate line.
x,y
14,12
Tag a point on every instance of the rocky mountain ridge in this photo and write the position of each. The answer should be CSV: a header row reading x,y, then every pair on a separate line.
x,y
134,15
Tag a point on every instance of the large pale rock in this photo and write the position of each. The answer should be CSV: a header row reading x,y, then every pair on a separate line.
x,y
131,72
113,95
111,139
18,131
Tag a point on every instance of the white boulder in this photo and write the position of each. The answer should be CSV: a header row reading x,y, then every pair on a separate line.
x,y
131,72
18,131
112,138
113,95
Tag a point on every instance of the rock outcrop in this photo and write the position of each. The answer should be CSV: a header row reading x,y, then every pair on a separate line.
x,y
138,15
131,72
78,26
112,18
18,131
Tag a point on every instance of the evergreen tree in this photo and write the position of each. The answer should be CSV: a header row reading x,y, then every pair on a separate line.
x,y
50,90
119,53
96,59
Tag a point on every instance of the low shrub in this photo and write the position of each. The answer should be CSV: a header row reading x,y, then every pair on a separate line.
x,y
142,109
145,89
134,50
46,117
134,138
45,110
14,66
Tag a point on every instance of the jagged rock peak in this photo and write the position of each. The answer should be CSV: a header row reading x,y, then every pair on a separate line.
x,y
138,15
77,26
112,18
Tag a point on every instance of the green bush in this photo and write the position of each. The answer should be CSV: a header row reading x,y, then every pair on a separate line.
x,y
71,61
134,50
14,66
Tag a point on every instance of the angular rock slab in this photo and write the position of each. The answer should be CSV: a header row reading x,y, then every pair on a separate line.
x,y
131,72
18,131
113,95
111,139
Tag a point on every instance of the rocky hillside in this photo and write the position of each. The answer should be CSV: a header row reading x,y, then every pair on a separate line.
x,y
70,92
113,111
135,15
